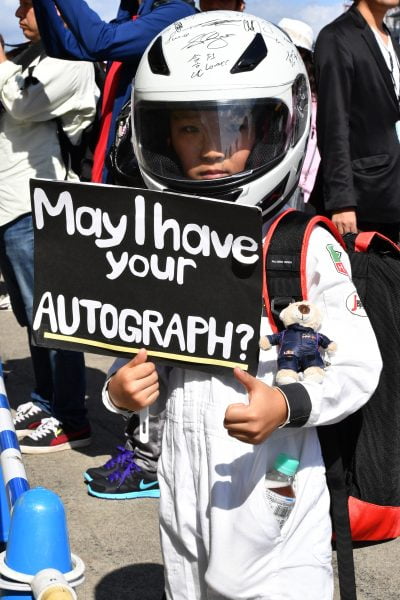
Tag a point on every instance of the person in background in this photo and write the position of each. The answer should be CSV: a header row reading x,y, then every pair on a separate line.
x,y
131,471
35,91
302,36
358,121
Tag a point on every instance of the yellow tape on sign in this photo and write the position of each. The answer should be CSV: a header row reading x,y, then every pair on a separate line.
x,y
166,355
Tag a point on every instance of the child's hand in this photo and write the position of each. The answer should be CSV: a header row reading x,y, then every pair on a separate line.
x,y
135,385
266,411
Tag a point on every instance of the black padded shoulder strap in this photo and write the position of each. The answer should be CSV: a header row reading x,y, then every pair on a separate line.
x,y
285,254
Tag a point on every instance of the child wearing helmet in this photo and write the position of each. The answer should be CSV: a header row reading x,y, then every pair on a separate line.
x,y
222,110
206,152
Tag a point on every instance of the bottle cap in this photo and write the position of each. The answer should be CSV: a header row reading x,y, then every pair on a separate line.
x,y
286,464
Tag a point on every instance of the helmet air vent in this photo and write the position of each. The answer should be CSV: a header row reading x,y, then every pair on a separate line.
x,y
156,59
252,56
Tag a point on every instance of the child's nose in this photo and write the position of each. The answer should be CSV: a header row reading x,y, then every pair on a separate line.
x,y
212,148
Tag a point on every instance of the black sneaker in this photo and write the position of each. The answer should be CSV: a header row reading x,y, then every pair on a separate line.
x,y
28,417
125,483
51,436
117,461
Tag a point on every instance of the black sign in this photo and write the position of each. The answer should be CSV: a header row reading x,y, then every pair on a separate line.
x,y
117,269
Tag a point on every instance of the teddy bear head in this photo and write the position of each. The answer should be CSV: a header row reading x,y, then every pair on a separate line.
x,y
303,313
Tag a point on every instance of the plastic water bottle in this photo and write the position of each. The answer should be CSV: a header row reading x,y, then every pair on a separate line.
x,y
279,487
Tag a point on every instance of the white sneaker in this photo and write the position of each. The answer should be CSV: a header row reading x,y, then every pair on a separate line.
x,y
28,417
5,303
50,436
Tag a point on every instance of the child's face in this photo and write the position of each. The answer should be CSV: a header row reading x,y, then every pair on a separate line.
x,y
204,149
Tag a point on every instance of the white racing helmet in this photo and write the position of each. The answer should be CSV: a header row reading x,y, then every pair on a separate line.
x,y
222,109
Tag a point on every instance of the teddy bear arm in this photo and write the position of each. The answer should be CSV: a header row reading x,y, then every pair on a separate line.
x,y
332,347
267,341
324,341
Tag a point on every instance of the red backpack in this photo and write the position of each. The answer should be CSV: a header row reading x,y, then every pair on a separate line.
x,y
362,452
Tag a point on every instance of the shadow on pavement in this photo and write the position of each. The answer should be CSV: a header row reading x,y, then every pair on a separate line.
x,y
137,582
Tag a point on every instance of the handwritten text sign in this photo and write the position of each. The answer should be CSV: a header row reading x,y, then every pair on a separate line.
x,y
117,269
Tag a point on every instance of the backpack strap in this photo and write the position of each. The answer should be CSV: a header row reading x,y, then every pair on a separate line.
x,y
285,281
372,239
285,256
336,480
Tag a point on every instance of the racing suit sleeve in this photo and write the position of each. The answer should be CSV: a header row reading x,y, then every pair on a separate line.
x,y
354,372
88,37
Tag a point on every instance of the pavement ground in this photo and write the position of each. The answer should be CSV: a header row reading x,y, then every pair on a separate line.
x,y
118,540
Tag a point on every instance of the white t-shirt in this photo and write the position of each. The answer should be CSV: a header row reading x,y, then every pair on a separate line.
x,y
29,144
391,59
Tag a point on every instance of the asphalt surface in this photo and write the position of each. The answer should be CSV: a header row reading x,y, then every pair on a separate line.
x,y
118,540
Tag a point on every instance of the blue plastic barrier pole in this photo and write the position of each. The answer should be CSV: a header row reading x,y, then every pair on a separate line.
x,y
4,512
14,475
4,506
13,481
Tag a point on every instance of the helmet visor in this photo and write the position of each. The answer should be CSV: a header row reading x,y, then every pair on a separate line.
x,y
210,141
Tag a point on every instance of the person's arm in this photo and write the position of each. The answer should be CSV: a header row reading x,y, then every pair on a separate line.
x,y
58,41
267,410
60,89
134,385
345,220
355,367
98,40
335,75
351,377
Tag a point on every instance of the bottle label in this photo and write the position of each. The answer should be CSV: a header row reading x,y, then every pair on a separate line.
x,y
281,506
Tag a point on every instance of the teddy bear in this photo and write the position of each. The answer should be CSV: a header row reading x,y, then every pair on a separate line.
x,y
299,344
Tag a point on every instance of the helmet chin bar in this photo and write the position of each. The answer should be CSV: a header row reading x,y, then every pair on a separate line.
x,y
275,200
270,205
213,189
213,194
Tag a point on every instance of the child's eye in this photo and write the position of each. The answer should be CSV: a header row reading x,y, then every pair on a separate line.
x,y
189,129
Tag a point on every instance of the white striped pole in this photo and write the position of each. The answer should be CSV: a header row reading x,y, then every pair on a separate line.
x,y
12,467
38,542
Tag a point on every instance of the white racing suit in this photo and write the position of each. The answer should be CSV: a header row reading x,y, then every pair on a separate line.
x,y
220,539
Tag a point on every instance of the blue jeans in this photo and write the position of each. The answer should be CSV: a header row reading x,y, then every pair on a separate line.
x,y
59,374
